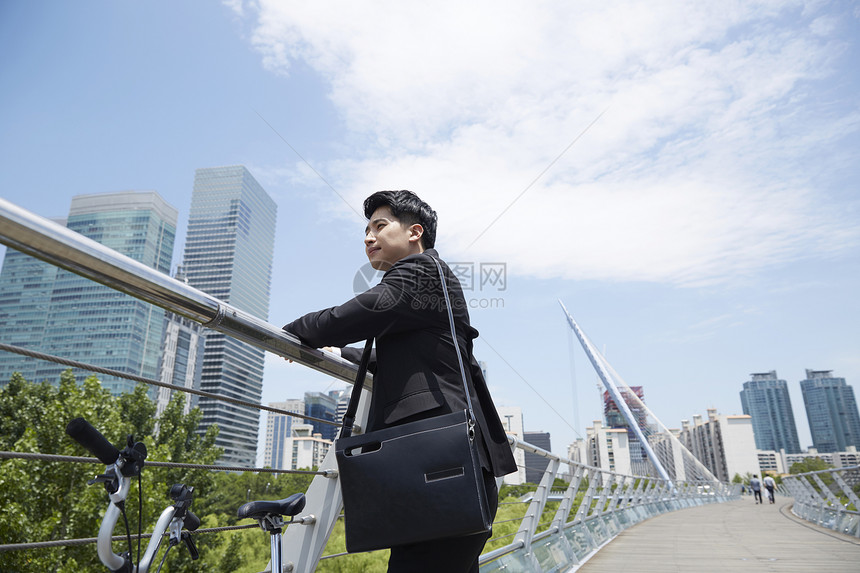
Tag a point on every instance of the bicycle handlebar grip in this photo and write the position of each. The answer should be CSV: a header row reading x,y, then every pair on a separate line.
x,y
86,435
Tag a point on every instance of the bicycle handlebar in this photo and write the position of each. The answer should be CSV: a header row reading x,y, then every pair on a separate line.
x,y
86,435
122,465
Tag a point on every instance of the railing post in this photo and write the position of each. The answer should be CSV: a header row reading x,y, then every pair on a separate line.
x,y
303,544
584,508
567,500
834,501
531,520
639,491
619,495
605,490
849,493
624,498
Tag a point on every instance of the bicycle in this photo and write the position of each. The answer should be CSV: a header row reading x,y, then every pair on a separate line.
x,y
270,516
122,466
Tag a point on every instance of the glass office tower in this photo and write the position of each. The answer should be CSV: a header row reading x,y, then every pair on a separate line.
x,y
92,323
765,399
228,254
831,410
26,285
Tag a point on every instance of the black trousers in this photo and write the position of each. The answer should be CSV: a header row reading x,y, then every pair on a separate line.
x,y
449,555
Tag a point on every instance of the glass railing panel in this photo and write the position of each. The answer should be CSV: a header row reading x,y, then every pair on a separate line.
x,y
633,515
580,540
516,562
553,554
595,527
610,525
844,523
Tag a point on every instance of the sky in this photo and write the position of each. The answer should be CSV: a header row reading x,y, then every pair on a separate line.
x,y
682,175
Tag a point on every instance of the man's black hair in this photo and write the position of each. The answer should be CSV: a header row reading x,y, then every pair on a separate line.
x,y
408,208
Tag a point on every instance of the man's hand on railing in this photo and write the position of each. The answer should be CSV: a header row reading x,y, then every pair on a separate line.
x,y
332,349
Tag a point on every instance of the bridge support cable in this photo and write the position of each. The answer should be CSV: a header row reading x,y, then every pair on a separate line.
x,y
658,433
674,461
615,393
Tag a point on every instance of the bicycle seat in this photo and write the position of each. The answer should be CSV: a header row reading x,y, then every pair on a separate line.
x,y
260,509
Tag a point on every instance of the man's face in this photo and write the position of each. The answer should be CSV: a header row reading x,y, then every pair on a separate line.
x,y
386,240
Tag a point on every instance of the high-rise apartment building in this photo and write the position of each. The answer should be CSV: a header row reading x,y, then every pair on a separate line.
x,y
607,448
92,323
229,249
765,399
304,448
724,444
615,418
279,428
831,410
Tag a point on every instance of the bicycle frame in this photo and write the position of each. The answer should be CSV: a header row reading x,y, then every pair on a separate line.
x,y
110,559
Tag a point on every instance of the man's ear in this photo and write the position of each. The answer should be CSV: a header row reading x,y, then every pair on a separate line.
x,y
416,231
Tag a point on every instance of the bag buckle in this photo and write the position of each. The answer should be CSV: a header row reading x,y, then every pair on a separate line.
x,y
471,429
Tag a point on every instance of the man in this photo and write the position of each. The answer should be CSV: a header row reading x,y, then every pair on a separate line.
x,y
755,485
770,485
415,368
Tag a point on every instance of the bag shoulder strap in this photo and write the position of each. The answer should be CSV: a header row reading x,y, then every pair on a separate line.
x,y
454,338
352,408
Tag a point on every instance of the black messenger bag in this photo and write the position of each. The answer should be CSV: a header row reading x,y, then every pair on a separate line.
x,y
413,482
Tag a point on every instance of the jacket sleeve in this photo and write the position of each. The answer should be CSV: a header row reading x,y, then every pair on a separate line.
x,y
353,354
391,306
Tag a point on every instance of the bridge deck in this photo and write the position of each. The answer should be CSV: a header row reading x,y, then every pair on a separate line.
x,y
726,537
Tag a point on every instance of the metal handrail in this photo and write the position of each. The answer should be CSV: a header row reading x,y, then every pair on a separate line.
x,y
55,244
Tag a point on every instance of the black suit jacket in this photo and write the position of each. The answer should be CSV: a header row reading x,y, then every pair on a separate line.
x,y
416,374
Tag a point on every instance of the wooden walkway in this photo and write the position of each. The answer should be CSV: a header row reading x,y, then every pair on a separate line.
x,y
728,537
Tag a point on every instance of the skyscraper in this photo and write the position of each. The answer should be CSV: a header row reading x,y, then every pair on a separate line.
x,y
228,254
90,322
535,463
324,407
26,284
765,399
831,410
181,359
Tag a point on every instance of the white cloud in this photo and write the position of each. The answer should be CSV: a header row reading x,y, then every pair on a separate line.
x,y
698,171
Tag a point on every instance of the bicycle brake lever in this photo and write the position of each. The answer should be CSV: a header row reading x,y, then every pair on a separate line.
x,y
101,478
189,542
111,482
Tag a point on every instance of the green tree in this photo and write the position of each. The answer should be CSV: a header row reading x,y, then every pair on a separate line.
x,y
809,465
43,501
